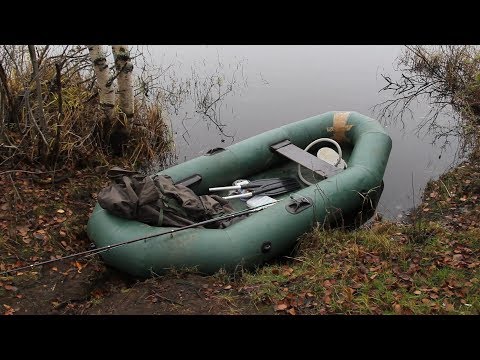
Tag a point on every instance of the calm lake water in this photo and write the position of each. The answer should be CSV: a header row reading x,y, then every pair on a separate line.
x,y
282,84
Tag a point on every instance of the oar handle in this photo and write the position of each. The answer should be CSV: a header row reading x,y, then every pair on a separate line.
x,y
239,196
233,187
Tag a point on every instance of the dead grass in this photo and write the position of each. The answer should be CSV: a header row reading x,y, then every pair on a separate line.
x,y
430,266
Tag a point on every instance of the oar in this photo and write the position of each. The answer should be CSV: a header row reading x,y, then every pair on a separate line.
x,y
256,184
268,190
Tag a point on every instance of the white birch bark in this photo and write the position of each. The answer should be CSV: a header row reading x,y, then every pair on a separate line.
x,y
38,87
124,68
105,85
42,129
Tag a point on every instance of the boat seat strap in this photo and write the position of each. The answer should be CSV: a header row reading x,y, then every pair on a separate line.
x,y
304,158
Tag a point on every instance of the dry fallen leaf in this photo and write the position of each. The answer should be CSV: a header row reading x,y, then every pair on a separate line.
x,y
417,292
349,293
79,266
97,293
9,311
448,306
405,277
291,311
10,288
457,257
281,307
397,308
60,211
38,236
22,230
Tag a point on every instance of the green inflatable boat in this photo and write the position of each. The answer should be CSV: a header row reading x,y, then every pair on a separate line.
x,y
339,189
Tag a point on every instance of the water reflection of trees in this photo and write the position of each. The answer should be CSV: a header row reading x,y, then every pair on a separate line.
x,y
447,78
200,94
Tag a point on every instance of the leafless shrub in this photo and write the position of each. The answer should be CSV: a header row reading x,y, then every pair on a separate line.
x,y
76,133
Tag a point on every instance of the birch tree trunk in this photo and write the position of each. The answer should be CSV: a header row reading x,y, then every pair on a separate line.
x,y
40,115
105,85
124,68
5,103
4,88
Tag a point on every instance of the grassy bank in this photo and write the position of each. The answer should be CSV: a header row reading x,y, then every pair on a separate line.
x,y
429,266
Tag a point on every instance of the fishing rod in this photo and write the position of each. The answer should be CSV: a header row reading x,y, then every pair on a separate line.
x,y
102,249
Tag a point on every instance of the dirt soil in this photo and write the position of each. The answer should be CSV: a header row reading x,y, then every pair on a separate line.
x,y
433,269
41,220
